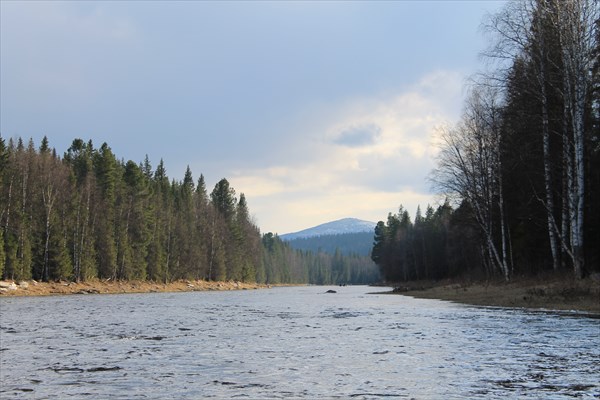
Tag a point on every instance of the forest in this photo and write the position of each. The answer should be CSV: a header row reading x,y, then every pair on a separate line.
x,y
520,172
88,215
357,243
521,169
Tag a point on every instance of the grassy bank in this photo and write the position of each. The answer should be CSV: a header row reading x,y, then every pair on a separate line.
x,y
552,293
33,288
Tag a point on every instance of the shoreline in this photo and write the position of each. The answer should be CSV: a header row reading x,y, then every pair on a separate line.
x,y
547,294
33,288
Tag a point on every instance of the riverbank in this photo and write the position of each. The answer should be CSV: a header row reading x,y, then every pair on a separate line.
x,y
33,288
554,293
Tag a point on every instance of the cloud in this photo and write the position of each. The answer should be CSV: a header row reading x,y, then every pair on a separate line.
x,y
362,159
56,41
283,99
358,136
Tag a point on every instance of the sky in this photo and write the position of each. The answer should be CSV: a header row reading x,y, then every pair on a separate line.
x,y
316,111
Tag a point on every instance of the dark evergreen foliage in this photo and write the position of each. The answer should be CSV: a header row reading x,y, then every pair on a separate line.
x,y
318,268
356,243
90,216
441,244
522,164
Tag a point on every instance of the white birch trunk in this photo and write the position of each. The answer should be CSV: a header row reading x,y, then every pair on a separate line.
x,y
577,21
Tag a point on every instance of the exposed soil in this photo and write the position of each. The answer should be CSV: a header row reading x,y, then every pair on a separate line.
x,y
550,293
33,288
556,293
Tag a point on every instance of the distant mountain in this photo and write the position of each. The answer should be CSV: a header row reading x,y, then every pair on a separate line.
x,y
348,235
341,226
358,243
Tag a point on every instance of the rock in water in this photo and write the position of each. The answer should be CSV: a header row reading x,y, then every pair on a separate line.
x,y
331,291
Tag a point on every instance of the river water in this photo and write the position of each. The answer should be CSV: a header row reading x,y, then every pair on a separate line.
x,y
296,342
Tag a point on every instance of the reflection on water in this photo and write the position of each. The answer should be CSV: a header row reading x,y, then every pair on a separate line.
x,y
290,343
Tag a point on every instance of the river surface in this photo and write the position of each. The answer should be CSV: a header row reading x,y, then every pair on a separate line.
x,y
295,342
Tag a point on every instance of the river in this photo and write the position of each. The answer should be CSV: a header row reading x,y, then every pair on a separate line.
x,y
293,342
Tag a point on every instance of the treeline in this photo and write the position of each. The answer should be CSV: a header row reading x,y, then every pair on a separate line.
x,y
523,163
318,267
88,215
443,243
355,243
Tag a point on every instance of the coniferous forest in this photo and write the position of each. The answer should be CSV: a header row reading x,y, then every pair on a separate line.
x,y
521,169
87,215
355,243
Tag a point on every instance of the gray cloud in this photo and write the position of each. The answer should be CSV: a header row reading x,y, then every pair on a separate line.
x,y
358,136
227,87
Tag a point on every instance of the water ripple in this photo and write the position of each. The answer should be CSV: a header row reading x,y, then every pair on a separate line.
x,y
290,343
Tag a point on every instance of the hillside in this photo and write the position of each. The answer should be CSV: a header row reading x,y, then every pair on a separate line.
x,y
352,236
358,243
341,226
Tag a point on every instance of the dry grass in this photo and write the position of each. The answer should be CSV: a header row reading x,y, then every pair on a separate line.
x,y
555,293
33,288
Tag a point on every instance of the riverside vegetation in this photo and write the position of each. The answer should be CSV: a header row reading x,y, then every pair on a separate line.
x,y
521,169
521,172
87,216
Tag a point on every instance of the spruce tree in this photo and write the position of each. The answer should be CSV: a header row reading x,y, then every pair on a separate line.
x,y
105,168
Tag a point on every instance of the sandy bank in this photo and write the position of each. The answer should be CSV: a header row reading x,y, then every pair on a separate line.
x,y
551,294
33,288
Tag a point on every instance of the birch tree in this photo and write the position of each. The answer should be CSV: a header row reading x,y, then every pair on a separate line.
x,y
469,168
522,32
577,24
558,41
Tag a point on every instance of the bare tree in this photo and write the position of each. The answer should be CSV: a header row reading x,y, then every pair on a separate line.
x,y
520,31
577,24
469,167
554,35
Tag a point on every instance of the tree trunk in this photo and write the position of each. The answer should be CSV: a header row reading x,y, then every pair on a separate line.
x,y
577,20
548,186
45,273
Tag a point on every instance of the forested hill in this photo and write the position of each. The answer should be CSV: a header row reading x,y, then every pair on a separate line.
x,y
338,227
358,243
522,166
87,215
